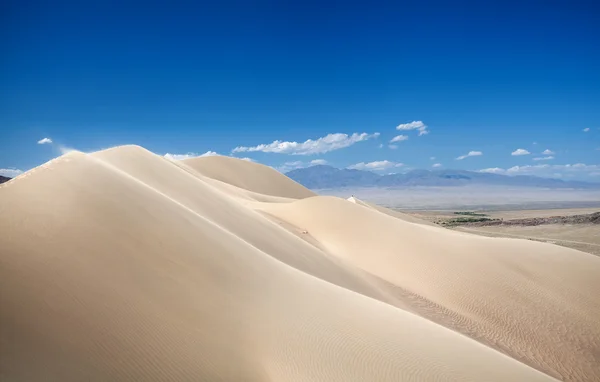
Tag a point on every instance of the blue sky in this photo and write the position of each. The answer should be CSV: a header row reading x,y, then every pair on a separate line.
x,y
488,77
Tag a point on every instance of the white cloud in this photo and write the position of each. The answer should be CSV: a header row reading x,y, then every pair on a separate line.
x,y
577,170
436,165
470,154
399,138
330,142
414,125
493,170
381,145
44,141
547,152
393,147
431,158
288,166
586,129
519,152
247,159
10,172
535,143
375,166
193,155
550,157
180,156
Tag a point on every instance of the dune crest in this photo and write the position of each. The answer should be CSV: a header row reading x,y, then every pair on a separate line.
x,y
122,265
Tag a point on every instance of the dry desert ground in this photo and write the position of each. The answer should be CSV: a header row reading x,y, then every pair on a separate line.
x,y
583,237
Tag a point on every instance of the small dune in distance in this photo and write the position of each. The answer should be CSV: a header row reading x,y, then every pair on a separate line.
x,y
122,265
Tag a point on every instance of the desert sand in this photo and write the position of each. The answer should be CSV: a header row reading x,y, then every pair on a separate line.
x,y
122,265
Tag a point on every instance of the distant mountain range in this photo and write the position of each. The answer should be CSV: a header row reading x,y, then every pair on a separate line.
x,y
4,179
322,176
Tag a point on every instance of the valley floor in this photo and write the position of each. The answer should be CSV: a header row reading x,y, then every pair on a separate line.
x,y
583,237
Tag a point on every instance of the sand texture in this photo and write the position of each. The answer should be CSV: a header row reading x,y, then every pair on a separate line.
x,y
121,265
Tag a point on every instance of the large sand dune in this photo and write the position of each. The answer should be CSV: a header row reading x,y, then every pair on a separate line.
x,y
124,266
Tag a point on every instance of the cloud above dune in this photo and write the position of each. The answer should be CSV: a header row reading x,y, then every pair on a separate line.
x,y
577,170
414,125
10,172
586,129
293,165
519,152
550,157
325,144
470,154
193,155
62,149
289,166
436,165
547,152
375,166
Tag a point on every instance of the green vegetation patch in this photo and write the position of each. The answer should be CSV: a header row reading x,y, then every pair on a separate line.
x,y
463,220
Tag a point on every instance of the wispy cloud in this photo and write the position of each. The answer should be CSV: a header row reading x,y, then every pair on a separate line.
x,y
399,138
550,157
375,166
10,172
493,170
414,125
577,170
547,152
436,165
519,152
586,129
289,166
321,145
293,165
470,154
192,155
431,158
393,147
44,141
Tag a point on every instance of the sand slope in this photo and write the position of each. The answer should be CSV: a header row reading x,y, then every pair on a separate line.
x,y
249,176
121,265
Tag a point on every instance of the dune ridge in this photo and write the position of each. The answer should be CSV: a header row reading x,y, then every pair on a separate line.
x,y
123,265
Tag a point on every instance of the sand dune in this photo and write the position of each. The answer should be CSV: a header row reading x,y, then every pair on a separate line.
x,y
249,176
122,265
